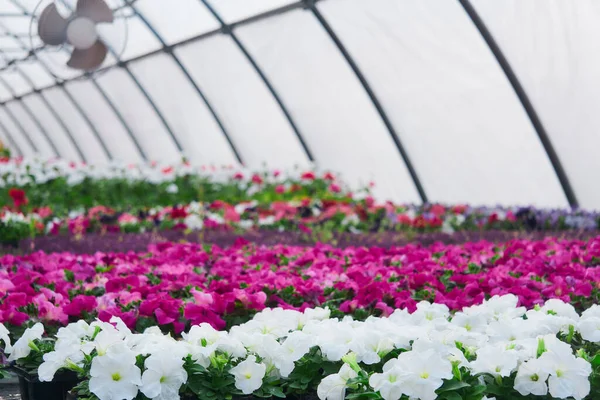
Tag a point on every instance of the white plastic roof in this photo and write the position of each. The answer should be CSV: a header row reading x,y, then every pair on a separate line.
x,y
479,101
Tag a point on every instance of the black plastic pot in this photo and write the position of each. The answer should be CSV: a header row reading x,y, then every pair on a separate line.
x,y
32,389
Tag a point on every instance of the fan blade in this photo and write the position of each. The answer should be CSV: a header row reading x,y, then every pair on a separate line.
x,y
90,58
52,27
96,10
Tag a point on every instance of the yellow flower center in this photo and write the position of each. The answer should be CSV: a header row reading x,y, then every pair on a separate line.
x,y
116,377
425,375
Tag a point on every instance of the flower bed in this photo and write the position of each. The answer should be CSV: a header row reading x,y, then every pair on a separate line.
x,y
312,216
55,197
495,349
64,187
175,285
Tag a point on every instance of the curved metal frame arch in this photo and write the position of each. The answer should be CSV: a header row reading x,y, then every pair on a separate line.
x,y
11,139
169,50
311,5
119,116
31,114
525,102
123,64
228,30
54,114
18,124
63,126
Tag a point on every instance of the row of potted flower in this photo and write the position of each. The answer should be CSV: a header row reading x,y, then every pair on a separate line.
x,y
174,286
308,215
491,350
67,187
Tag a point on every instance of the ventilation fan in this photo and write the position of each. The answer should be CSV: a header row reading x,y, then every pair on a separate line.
x,y
79,31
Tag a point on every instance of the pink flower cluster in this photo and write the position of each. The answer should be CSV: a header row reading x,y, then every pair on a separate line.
x,y
175,285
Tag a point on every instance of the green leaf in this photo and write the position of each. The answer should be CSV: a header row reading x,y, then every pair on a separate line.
x,y
452,385
450,396
69,275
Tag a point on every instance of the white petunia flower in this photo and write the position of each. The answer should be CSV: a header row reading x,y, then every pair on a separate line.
x,y
164,376
423,373
5,338
569,375
495,360
589,324
333,387
194,222
22,347
388,384
531,378
115,376
248,375
172,188
589,328
295,346
67,353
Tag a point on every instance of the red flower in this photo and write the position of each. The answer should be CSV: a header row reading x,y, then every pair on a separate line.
x,y
437,210
492,218
256,178
178,212
459,209
279,189
329,176
238,176
167,170
44,212
309,176
18,197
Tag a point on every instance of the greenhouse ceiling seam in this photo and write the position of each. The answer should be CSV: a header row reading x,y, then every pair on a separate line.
x,y
11,139
169,51
228,30
311,5
525,102
59,85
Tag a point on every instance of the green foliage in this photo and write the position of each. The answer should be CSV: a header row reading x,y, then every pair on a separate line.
x,y
12,232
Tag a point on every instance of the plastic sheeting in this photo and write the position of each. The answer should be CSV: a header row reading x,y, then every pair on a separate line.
x,y
441,88
554,48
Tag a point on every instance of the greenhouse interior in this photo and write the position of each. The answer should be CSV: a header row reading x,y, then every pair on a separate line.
x,y
312,200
